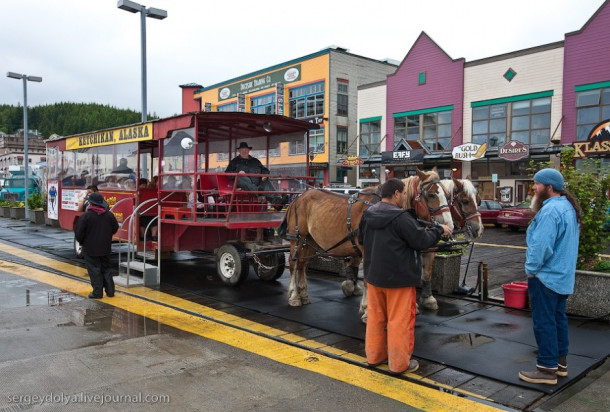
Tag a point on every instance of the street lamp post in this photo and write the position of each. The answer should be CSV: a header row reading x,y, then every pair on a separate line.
x,y
133,7
26,160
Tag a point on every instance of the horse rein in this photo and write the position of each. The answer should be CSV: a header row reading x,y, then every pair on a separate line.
x,y
455,205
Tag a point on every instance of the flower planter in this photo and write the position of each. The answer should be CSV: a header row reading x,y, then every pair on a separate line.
x,y
591,297
37,216
17,212
446,273
50,222
6,211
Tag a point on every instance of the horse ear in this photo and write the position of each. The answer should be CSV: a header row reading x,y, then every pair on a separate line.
x,y
434,169
457,183
421,174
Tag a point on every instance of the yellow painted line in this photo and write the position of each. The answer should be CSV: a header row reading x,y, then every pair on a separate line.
x,y
400,390
144,308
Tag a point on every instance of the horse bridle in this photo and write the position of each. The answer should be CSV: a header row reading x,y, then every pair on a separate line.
x,y
456,205
421,202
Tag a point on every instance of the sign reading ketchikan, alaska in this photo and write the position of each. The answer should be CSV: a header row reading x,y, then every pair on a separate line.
x,y
513,150
598,142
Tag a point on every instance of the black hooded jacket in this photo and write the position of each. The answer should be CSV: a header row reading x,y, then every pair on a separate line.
x,y
393,239
94,231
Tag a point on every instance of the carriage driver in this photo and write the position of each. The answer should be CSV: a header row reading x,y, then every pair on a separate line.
x,y
244,163
392,239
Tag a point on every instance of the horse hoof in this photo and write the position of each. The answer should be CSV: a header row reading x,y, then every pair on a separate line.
x,y
357,290
305,301
364,318
348,288
294,302
429,303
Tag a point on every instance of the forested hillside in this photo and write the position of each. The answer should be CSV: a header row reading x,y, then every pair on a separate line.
x,y
66,119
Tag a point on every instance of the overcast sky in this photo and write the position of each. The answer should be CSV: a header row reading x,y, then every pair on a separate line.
x,y
88,51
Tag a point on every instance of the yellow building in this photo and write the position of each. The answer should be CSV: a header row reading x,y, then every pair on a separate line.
x,y
320,88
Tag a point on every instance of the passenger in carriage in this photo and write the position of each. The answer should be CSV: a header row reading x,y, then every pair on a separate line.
x,y
187,184
244,163
393,239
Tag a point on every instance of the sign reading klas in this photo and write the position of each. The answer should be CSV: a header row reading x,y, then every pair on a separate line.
x,y
598,142
111,136
262,82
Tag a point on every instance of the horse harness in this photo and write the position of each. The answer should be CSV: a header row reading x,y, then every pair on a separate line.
x,y
351,234
421,204
455,206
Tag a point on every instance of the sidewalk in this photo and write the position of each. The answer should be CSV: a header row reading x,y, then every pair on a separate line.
x,y
504,263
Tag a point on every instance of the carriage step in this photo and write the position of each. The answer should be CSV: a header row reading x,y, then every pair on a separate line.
x,y
138,271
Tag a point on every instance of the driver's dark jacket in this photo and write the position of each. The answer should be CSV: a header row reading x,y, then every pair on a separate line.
x,y
393,239
249,165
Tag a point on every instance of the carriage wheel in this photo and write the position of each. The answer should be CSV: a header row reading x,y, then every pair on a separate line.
x,y
231,264
271,266
78,249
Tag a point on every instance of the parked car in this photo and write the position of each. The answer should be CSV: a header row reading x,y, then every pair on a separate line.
x,y
517,216
489,210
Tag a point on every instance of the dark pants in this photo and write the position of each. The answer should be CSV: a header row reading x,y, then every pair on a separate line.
x,y
550,323
99,273
247,183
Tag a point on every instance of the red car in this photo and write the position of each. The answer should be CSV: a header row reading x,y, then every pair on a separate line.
x,y
517,216
490,209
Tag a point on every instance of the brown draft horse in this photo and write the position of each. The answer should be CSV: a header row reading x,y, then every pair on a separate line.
x,y
324,222
425,195
463,203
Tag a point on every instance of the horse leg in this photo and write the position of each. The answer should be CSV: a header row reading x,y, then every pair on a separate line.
x,y
302,281
293,296
427,301
350,285
363,306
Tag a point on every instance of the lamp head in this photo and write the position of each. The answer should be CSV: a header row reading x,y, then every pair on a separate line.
x,y
186,143
267,127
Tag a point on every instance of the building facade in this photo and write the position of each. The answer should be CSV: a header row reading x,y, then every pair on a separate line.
x,y
486,119
11,151
320,88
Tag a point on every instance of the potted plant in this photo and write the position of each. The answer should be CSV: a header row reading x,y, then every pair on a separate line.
x,y
447,265
590,186
5,207
36,205
17,210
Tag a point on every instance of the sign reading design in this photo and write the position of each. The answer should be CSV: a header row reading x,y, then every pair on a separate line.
x,y
598,142
514,150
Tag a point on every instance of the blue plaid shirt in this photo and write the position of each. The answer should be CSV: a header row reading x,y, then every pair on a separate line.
x,y
552,245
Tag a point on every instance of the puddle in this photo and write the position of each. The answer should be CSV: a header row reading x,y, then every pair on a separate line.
x,y
469,340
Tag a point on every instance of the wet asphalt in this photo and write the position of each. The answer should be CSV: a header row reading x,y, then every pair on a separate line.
x,y
58,347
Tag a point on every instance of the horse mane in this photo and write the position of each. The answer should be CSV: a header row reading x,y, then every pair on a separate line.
x,y
410,188
468,187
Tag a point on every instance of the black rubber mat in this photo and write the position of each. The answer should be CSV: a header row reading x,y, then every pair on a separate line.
x,y
495,343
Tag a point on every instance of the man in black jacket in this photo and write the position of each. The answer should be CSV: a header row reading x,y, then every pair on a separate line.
x,y
393,239
244,163
94,230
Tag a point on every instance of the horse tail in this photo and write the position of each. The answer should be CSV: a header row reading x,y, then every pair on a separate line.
x,y
283,228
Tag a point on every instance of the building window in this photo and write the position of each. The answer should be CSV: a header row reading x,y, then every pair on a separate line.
x,y
307,101
341,175
296,148
592,107
432,129
342,98
370,136
422,78
528,121
263,104
341,140
316,141
230,107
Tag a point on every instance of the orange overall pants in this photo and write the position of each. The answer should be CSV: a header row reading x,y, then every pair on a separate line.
x,y
390,329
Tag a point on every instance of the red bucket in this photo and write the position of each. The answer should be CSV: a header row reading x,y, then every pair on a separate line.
x,y
515,295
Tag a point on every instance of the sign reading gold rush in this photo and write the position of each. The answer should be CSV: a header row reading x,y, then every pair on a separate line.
x,y
111,136
264,81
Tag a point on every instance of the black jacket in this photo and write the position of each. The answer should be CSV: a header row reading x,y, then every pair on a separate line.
x,y
94,232
392,240
249,165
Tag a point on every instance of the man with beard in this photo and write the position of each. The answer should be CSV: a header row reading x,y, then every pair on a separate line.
x,y
550,265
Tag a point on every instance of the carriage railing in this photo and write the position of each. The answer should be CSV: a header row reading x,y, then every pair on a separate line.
x,y
217,197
